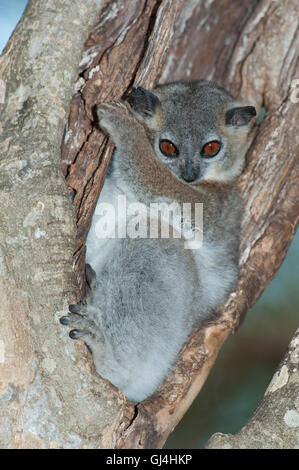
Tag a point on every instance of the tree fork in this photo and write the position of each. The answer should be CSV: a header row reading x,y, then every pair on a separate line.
x,y
250,48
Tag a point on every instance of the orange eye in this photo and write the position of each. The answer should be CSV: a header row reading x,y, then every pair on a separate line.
x,y
211,148
168,148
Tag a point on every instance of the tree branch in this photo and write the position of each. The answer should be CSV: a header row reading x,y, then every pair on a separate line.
x,y
48,397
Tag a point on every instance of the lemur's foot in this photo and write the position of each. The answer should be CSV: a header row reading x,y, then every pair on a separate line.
x,y
84,325
78,313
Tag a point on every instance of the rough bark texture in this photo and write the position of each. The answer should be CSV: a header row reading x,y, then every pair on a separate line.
x,y
275,423
248,46
48,397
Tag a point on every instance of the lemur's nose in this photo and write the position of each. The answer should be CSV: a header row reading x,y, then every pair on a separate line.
x,y
189,178
188,172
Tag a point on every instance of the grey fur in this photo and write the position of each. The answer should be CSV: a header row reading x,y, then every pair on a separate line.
x,y
147,294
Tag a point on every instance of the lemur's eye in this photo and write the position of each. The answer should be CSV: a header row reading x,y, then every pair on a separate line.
x,y
168,148
211,148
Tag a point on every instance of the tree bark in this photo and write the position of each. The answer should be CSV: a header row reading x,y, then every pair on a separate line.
x,y
249,47
49,398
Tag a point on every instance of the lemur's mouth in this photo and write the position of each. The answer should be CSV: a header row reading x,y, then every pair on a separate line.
x,y
189,179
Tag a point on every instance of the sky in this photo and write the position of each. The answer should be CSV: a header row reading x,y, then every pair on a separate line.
x,y
10,13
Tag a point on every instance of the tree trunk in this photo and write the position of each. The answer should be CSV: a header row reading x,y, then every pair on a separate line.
x,y
50,393
49,398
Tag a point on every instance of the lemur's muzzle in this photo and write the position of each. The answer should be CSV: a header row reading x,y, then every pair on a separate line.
x,y
188,172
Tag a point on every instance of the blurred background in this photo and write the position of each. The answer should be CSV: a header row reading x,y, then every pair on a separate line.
x,y
248,360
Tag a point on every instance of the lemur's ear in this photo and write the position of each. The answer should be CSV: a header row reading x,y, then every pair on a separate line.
x,y
239,116
143,102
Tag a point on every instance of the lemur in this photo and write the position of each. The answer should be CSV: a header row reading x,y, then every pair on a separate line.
x,y
184,143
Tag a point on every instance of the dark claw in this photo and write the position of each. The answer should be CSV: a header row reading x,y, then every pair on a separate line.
x,y
64,320
75,308
76,334
90,276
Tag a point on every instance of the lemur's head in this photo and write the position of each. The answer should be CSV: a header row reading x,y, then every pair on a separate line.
x,y
197,129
